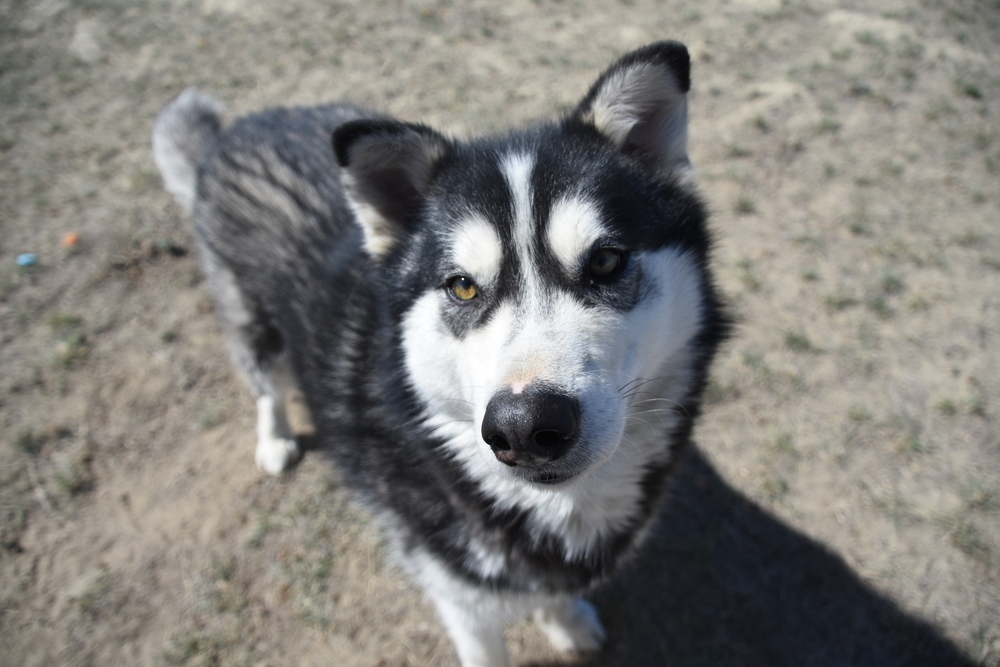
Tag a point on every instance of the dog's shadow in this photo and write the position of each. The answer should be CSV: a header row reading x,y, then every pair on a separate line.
x,y
722,582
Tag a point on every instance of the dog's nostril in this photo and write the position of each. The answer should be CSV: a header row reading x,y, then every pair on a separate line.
x,y
555,425
550,439
501,450
498,444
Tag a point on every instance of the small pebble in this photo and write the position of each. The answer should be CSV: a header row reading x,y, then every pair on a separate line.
x,y
27,259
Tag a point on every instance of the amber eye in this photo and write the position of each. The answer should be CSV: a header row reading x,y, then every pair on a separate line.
x,y
462,288
604,262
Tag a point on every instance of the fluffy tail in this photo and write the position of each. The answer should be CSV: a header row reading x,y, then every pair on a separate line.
x,y
185,128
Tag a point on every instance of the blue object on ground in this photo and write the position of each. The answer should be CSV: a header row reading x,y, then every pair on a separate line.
x,y
27,259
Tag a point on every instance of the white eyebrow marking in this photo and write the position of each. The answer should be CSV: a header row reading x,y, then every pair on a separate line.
x,y
517,168
476,249
574,227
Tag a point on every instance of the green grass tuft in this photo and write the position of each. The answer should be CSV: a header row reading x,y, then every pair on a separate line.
x,y
971,90
947,407
965,536
797,341
27,441
859,414
748,274
745,205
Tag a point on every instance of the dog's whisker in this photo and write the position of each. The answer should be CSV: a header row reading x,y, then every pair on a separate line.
x,y
669,401
639,382
659,414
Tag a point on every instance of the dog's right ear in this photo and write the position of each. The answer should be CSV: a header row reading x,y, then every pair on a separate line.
x,y
388,167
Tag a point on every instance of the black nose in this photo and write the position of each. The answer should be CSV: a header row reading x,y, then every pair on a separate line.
x,y
531,428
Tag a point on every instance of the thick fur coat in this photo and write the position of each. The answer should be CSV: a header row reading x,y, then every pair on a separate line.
x,y
503,342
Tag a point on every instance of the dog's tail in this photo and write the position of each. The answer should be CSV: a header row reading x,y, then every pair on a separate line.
x,y
184,129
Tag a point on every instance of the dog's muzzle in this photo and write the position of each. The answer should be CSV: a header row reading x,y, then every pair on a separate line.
x,y
531,428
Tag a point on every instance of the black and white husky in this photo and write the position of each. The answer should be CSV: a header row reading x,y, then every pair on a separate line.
x,y
502,342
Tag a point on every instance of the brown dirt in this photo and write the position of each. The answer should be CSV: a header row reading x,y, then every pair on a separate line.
x,y
844,504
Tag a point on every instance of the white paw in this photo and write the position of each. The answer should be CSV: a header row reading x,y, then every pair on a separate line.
x,y
572,626
275,454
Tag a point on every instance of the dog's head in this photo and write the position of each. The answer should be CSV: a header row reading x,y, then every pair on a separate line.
x,y
550,285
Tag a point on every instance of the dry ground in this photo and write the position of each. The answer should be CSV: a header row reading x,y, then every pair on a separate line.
x,y
843,506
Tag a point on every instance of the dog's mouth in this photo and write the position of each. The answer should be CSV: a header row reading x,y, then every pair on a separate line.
x,y
550,478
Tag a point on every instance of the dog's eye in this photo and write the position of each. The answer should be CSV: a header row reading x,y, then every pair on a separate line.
x,y
605,262
462,288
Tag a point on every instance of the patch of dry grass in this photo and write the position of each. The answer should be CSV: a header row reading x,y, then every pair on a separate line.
x,y
849,156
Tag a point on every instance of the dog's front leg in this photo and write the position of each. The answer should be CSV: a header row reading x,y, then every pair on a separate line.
x,y
476,633
276,446
572,625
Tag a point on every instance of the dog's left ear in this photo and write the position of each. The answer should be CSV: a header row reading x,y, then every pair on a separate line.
x,y
388,166
640,105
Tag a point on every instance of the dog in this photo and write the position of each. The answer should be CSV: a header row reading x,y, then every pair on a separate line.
x,y
503,342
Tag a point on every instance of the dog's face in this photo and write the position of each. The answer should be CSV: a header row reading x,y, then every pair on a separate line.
x,y
552,283
550,290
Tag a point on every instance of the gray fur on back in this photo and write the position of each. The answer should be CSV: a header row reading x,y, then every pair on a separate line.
x,y
186,127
